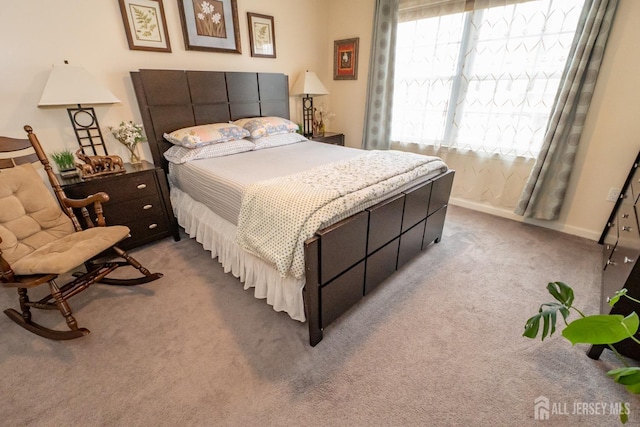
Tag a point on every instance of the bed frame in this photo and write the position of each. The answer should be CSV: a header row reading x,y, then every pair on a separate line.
x,y
345,261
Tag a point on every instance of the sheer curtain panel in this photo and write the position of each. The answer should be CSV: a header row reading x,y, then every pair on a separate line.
x,y
474,84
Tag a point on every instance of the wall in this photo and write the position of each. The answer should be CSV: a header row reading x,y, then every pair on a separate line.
x,y
349,19
39,33
610,140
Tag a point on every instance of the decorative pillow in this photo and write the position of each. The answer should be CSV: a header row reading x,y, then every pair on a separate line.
x,y
277,140
264,126
198,136
179,155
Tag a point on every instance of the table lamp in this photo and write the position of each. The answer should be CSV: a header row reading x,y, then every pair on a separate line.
x,y
308,84
69,85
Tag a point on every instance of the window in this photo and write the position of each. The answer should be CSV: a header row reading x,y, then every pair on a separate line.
x,y
483,80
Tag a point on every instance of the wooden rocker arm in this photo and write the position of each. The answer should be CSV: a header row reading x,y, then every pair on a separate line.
x,y
100,197
96,199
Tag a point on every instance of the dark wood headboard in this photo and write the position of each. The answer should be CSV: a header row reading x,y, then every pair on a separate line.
x,y
175,99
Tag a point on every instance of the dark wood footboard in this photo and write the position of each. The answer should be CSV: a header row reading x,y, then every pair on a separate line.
x,y
347,260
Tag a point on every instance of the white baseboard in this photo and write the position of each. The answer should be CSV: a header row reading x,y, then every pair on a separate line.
x,y
504,213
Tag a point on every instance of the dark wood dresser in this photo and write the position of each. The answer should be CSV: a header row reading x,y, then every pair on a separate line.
x,y
621,251
138,199
330,138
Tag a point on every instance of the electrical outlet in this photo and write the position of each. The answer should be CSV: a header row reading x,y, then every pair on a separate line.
x,y
613,195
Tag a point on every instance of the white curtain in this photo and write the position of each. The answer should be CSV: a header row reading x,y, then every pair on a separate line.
x,y
476,88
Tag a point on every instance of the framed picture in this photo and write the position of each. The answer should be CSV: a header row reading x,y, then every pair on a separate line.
x,y
345,59
262,35
210,25
145,25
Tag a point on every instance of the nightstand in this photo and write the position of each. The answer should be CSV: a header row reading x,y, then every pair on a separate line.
x,y
138,199
330,138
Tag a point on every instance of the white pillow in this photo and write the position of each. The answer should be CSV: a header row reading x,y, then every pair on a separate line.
x,y
213,133
264,126
277,140
177,154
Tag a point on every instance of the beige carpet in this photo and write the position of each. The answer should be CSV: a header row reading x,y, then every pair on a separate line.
x,y
439,344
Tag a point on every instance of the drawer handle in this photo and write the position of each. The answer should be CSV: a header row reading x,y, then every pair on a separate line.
x,y
628,260
610,262
625,215
141,186
146,207
626,228
152,226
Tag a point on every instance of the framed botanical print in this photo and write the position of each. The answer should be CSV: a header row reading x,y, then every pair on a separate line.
x,y
345,59
145,25
262,35
210,25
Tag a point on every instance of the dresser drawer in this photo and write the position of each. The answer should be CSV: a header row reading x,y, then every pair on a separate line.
x,y
628,233
133,187
128,211
615,276
143,231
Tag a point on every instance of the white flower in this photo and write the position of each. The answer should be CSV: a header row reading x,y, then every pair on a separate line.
x,y
128,134
207,8
216,18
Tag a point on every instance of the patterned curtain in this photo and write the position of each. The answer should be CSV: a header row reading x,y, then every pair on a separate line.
x,y
547,184
377,120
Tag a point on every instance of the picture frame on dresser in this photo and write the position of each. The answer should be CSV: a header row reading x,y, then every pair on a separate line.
x,y
145,25
210,25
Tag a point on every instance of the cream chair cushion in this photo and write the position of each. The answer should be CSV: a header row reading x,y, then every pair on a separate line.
x,y
37,237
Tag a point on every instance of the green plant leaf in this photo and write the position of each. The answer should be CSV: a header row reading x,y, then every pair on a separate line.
x,y
561,292
601,329
548,314
629,377
616,297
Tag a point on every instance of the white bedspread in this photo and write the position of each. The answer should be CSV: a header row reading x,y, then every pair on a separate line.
x,y
279,214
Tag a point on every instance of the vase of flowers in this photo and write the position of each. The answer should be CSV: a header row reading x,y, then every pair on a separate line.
x,y
129,134
320,120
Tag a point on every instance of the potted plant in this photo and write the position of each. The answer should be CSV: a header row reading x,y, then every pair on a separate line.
x,y
66,163
599,329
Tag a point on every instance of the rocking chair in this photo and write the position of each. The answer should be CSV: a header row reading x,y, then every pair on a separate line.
x,y
39,241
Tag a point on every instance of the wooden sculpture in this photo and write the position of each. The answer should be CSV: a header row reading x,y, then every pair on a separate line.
x,y
95,166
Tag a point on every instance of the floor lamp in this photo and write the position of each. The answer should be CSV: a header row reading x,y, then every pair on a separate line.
x,y
69,85
308,85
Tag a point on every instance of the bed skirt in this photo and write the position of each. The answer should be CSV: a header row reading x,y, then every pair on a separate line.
x,y
217,235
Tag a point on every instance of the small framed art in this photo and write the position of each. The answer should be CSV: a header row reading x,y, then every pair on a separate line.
x,y
145,25
262,35
210,25
345,59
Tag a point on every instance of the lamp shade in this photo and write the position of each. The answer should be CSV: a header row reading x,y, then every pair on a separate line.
x,y
308,84
69,84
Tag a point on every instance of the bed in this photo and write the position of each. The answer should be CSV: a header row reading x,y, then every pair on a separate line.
x,y
341,261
